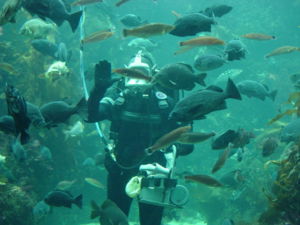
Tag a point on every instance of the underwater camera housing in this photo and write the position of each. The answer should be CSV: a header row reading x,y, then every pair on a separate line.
x,y
159,188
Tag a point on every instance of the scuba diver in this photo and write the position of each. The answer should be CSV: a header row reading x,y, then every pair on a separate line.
x,y
138,112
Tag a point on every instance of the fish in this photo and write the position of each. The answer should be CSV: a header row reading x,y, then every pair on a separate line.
x,y
17,108
56,71
167,139
9,10
109,213
54,10
269,145
230,73
35,115
132,73
233,179
217,10
75,130
235,50
58,52
148,30
178,76
121,2
65,184
204,179
97,36
57,112
195,137
132,20
7,124
142,43
252,88
8,68
222,159
84,2
94,182
192,24
202,41
61,198
282,50
18,150
196,105
223,140
208,62
259,37
37,28
291,132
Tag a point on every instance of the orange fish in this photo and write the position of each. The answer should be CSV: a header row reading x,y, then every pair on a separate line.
x,y
260,37
133,73
195,137
84,2
204,179
148,30
97,36
202,41
168,139
282,50
221,161
121,2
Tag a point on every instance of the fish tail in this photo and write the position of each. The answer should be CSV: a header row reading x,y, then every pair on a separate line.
x,y
96,210
200,79
232,91
273,94
74,20
125,32
78,201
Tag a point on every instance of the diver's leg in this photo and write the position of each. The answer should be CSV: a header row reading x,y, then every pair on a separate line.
x,y
150,214
116,183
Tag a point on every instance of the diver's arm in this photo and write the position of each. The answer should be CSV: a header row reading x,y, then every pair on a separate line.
x,y
103,80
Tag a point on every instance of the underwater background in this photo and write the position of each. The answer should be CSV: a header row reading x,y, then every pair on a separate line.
x,y
24,184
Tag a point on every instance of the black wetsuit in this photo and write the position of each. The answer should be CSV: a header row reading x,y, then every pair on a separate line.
x,y
137,121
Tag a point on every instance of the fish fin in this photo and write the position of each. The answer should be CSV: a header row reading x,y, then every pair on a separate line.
x,y
96,210
214,88
74,20
232,91
273,94
78,201
200,78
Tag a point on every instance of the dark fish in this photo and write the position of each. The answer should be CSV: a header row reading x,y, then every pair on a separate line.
x,y
178,76
35,115
235,50
18,150
217,10
54,10
9,10
168,139
224,139
17,108
243,138
208,62
132,20
109,213
204,179
195,137
252,88
59,198
222,159
58,52
59,111
233,179
295,79
269,146
200,103
291,132
192,24
7,124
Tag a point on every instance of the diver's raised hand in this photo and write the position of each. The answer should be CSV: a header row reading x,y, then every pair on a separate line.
x,y
102,74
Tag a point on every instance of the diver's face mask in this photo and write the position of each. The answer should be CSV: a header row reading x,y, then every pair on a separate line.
x,y
138,85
